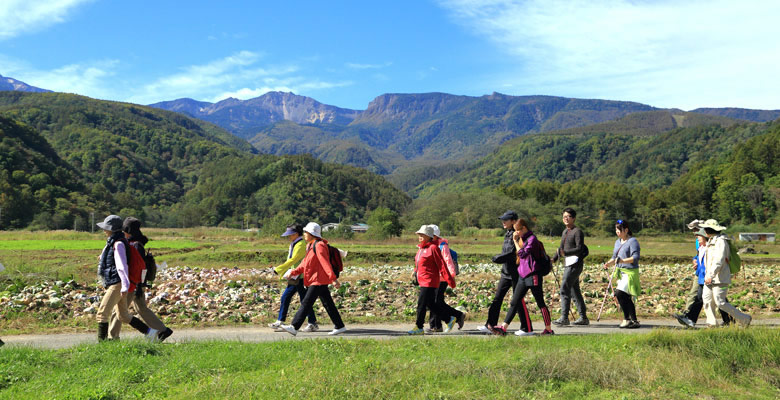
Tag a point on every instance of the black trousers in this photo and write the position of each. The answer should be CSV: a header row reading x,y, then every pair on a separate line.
x,y
570,287
307,306
626,304
502,287
695,309
427,301
517,306
435,321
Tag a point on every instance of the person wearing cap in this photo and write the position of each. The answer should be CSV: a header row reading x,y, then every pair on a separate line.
x,y
572,250
694,304
137,300
113,270
434,322
509,275
717,275
295,254
428,269
625,257
317,275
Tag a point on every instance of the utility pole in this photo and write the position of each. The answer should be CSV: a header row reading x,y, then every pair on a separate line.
x,y
92,221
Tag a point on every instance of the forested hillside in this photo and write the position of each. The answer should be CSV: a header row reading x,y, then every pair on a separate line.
x,y
129,159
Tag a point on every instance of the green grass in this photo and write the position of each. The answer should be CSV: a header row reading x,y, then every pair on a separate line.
x,y
716,363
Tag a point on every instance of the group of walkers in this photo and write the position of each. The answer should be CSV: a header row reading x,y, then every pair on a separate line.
x,y
309,270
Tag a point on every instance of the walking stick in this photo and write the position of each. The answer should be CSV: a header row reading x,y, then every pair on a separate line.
x,y
559,286
609,285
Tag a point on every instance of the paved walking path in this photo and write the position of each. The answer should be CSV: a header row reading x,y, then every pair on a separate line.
x,y
254,334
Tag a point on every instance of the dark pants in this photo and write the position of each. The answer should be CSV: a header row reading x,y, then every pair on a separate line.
x,y
427,301
323,293
695,309
435,321
287,296
502,287
517,306
570,287
626,304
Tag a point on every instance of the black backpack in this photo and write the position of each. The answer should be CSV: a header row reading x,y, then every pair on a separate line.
x,y
151,267
543,265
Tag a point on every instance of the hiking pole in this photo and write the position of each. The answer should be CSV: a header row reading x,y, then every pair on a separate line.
x,y
559,286
609,285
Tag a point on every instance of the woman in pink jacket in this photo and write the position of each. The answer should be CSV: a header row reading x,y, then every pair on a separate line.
x,y
317,275
428,266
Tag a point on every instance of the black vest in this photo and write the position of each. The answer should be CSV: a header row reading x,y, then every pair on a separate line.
x,y
107,270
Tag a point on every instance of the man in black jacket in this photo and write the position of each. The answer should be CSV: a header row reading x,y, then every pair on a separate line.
x,y
509,275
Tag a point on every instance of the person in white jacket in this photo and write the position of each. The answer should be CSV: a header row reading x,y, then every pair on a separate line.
x,y
718,276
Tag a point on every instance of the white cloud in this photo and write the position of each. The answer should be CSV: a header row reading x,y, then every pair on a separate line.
x,y
22,16
667,53
367,66
87,78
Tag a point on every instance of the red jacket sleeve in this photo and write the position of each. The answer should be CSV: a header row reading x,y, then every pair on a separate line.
x,y
324,259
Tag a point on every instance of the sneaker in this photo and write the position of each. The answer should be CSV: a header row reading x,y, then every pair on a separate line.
x,y
450,324
548,332
289,329
311,328
485,328
164,334
624,324
561,321
685,321
416,331
581,321
461,320
151,335
338,331
499,331
521,332
633,325
276,325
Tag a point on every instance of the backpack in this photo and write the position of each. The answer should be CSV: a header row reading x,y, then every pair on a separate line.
x,y
734,260
136,264
454,256
543,265
335,259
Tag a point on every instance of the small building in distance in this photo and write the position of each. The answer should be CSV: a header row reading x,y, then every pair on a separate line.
x,y
357,228
757,237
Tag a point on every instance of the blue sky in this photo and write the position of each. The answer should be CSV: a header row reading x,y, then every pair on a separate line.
x,y
683,54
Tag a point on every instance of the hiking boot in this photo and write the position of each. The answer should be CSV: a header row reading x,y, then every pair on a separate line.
x,y
450,324
461,320
416,331
289,329
521,332
633,325
499,331
624,324
275,325
548,332
749,320
485,328
337,331
685,321
164,334
562,321
311,328
581,321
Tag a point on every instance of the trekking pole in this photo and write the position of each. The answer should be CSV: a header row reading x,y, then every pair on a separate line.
x,y
559,287
609,285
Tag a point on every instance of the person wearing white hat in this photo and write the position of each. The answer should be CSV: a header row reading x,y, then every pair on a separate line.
x,y
317,275
434,321
717,275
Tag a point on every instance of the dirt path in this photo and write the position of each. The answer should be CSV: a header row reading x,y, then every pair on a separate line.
x,y
255,334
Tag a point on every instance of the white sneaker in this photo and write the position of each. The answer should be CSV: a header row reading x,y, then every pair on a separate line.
x,y
483,328
337,331
151,335
290,329
311,328
276,324
521,332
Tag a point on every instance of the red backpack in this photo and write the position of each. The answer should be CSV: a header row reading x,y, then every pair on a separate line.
x,y
136,264
335,259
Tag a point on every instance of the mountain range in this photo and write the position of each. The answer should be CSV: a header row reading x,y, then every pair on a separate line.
x,y
12,84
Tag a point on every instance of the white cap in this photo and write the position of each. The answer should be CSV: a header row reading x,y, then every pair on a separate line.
x,y
426,230
436,230
314,229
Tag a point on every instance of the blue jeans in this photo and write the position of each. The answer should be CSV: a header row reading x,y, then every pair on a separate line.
x,y
287,296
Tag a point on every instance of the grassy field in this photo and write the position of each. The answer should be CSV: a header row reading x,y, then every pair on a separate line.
x,y
707,364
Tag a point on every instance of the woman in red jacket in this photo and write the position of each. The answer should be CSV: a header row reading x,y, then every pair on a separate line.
x,y
428,266
317,275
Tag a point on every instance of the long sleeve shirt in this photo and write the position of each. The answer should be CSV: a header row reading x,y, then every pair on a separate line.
x,y
715,263
627,250
295,254
315,267
120,259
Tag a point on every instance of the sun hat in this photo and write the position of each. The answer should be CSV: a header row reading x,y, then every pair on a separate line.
x,y
701,232
695,224
426,230
712,224
292,230
314,229
509,214
131,225
112,223
436,231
